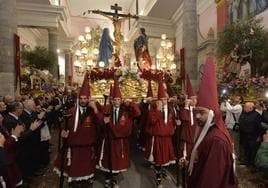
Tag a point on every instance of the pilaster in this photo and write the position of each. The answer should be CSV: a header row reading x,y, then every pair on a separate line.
x,y
52,47
8,27
68,67
189,41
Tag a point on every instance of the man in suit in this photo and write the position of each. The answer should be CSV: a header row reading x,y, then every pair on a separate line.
x,y
116,129
2,159
29,142
12,130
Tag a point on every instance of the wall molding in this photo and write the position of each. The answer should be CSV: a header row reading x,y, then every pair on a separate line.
x,y
40,15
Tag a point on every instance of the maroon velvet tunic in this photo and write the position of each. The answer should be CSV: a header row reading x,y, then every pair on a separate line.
x,y
159,147
81,156
187,133
118,134
142,124
12,174
214,163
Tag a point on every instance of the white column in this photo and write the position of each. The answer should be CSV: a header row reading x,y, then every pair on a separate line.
x,y
68,68
235,9
245,9
8,27
189,40
52,47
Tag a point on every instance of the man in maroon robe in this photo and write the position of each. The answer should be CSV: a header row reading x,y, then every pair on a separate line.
x,y
187,123
144,106
160,129
81,140
114,156
211,163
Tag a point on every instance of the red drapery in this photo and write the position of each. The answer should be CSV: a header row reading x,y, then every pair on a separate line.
x,y
17,62
182,71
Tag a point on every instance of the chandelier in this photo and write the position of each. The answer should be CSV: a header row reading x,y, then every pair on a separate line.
x,y
87,50
165,55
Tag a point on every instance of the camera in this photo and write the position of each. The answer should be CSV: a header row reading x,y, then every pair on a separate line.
x,y
225,98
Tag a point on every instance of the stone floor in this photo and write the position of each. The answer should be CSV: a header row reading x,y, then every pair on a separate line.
x,y
142,176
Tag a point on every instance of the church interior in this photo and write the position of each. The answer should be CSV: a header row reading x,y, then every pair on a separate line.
x,y
50,47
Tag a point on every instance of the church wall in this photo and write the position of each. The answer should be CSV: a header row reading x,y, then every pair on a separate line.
x,y
61,61
47,2
77,25
178,36
207,11
33,37
264,16
208,19
26,37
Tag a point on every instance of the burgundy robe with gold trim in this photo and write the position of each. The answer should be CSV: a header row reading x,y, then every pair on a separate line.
x,y
12,174
159,147
118,134
81,157
187,133
214,163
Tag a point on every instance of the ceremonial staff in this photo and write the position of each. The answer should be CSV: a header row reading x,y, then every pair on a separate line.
x,y
184,167
177,145
108,114
63,150
61,119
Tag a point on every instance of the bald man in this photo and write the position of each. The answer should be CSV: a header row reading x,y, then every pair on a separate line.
x,y
29,144
250,129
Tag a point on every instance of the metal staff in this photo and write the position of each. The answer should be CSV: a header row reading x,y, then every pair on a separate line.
x,y
63,151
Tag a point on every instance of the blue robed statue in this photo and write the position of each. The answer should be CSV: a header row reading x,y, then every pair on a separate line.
x,y
106,47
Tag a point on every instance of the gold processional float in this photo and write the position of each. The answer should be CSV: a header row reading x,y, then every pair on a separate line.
x,y
133,78
133,85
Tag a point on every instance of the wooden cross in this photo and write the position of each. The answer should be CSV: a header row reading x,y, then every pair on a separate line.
x,y
116,8
115,14
117,19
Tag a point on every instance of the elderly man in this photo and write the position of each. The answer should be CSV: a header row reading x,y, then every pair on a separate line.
x,y
12,129
250,130
211,162
29,143
2,110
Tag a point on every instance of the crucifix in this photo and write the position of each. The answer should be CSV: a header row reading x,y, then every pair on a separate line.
x,y
117,19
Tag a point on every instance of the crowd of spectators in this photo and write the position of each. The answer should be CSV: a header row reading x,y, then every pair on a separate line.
x,y
25,125
248,124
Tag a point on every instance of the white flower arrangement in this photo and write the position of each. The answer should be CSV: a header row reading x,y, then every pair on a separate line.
x,y
125,72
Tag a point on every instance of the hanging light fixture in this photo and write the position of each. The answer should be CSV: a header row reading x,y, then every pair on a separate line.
x,y
87,49
165,55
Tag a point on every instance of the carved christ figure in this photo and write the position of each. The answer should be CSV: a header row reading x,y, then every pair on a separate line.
x,y
117,20
118,37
